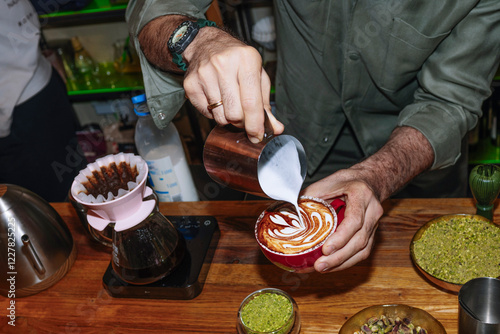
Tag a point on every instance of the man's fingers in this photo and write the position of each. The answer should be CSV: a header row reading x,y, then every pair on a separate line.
x,y
252,104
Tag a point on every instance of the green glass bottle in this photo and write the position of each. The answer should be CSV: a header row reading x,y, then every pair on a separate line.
x,y
86,67
71,82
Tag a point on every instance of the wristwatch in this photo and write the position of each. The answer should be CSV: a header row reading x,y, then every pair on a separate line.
x,y
182,36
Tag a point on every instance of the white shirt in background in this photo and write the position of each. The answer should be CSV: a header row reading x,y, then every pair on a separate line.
x,y
24,71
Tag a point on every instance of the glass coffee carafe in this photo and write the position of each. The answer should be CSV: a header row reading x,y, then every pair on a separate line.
x,y
147,252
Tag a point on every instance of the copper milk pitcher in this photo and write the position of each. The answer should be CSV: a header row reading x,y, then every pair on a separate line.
x,y
232,160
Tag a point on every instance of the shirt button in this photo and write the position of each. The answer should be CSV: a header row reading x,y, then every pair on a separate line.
x,y
354,56
325,139
161,116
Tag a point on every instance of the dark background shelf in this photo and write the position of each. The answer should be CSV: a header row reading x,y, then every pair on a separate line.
x,y
97,11
484,153
105,94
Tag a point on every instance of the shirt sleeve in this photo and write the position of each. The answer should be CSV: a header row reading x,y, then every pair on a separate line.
x,y
454,81
164,91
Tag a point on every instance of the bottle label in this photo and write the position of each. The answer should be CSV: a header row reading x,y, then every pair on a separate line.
x,y
163,180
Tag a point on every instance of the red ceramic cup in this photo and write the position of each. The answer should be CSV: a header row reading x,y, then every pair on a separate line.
x,y
303,261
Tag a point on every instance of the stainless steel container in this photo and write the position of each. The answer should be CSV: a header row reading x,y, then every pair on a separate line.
x,y
37,248
479,306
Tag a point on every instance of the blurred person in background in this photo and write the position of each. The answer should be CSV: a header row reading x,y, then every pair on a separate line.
x,y
38,145
381,93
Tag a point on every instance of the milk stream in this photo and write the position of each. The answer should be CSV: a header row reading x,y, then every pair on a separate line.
x,y
280,177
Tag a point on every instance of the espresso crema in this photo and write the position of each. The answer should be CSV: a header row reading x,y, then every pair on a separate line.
x,y
280,229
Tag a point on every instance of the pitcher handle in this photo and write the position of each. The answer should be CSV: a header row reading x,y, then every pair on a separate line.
x,y
268,128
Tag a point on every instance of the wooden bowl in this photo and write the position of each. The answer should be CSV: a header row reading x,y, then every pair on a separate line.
x,y
446,285
417,316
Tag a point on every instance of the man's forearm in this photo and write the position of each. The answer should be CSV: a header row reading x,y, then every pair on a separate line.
x,y
404,156
153,39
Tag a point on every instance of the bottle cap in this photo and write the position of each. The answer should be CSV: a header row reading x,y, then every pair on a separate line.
x,y
141,113
139,98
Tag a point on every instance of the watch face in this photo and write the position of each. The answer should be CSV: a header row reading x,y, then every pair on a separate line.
x,y
179,33
182,36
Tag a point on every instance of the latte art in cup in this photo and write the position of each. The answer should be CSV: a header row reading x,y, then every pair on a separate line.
x,y
280,230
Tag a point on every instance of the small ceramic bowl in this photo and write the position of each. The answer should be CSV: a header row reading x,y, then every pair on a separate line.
x,y
303,261
446,285
417,316
291,324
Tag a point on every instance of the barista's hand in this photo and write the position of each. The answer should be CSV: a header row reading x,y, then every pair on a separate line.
x,y
222,68
363,187
353,240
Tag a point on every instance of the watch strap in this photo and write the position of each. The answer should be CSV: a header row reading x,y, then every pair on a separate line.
x,y
177,60
206,23
177,57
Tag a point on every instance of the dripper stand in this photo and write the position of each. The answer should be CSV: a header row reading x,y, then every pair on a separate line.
x,y
200,235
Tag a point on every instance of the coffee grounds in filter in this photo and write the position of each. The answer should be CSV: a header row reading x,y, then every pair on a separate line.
x,y
110,178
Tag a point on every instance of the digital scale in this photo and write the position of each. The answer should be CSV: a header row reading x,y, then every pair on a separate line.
x,y
201,236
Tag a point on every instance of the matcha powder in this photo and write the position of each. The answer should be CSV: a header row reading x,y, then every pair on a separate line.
x,y
459,249
267,312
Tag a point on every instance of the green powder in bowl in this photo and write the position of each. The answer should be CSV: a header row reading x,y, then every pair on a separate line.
x,y
458,248
267,311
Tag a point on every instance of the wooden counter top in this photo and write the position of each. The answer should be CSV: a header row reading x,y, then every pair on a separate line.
x,y
79,304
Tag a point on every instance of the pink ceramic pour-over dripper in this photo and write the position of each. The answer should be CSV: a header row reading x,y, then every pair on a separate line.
x,y
125,211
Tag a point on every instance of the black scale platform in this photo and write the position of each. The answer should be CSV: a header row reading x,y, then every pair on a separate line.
x,y
201,235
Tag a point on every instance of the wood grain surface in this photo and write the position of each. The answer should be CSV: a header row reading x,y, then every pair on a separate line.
x,y
78,303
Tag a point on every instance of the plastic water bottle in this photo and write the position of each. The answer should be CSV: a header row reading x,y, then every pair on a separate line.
x,y
169,173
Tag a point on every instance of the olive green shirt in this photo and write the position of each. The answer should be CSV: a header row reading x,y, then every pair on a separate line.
x,y
377,64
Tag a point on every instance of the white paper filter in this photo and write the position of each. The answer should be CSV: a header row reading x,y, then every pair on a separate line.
x,y
78,190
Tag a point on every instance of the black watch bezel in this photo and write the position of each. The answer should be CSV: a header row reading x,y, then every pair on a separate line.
x,y
187,37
